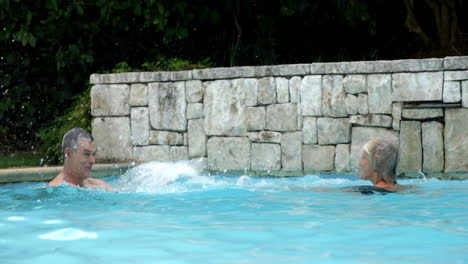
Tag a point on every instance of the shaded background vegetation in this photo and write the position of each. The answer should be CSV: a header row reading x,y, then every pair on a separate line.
x,y
49,48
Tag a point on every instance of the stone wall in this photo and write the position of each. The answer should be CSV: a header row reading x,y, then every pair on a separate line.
x,y
287,119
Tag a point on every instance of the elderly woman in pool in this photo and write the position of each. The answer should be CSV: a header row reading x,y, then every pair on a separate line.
x,y
378,164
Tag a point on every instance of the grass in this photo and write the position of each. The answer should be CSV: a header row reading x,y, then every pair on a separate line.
x,y
20,159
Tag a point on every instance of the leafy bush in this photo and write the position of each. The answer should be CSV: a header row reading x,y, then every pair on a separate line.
x,y
78,115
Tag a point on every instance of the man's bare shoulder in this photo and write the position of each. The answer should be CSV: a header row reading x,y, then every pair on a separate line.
x,y
58,180
97,183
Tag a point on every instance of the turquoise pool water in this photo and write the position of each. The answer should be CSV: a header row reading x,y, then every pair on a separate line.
x,y
232,219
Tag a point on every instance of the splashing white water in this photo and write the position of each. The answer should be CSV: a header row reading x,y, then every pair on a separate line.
x,y
155,176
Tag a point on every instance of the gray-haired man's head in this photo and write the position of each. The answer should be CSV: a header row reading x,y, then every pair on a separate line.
x,y
72,138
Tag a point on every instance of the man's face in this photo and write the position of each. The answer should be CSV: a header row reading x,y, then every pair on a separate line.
x,y
81,161
366,173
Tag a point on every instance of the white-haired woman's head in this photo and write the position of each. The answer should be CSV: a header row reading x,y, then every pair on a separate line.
x,y
383,157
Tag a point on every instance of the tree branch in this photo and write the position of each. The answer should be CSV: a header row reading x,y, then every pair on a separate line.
x,y
412,23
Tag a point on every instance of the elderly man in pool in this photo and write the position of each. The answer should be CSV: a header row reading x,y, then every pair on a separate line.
x,y
78,150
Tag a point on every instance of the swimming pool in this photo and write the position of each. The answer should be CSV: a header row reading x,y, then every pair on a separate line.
x,y
232,219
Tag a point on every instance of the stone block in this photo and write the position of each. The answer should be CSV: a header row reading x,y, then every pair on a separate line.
x,y
360,135
167,106
127,77
178,153
113,139
262,71
380,93
455,63
181,76
309,130
230,153
290,69
414,65
299,118
452,92
421,114
110,100
265,156
456,75
251,88
339,67
333,96
256,118
196,138
355,83
318,158
166,138
410,147
363,105
223,73
194,91
311,95
294,86
282,90
140,126
371,120
291,151
456,142
267,91
352,105
282,117
424,86
225,109
151,153
265,137
148,77
342,158
138,95
333,130
433,146
355,67
396,114
195,110
464,96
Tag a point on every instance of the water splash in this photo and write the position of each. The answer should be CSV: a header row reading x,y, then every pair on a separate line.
x,y
155,177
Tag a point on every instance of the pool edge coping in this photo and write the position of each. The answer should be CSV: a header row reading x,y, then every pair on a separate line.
x,y
46,173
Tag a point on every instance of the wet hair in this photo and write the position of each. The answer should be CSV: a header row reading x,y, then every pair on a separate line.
x,y
72,138
383,157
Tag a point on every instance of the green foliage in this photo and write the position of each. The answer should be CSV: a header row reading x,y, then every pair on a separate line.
x,y
77,115
174,64
25,159
163,64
